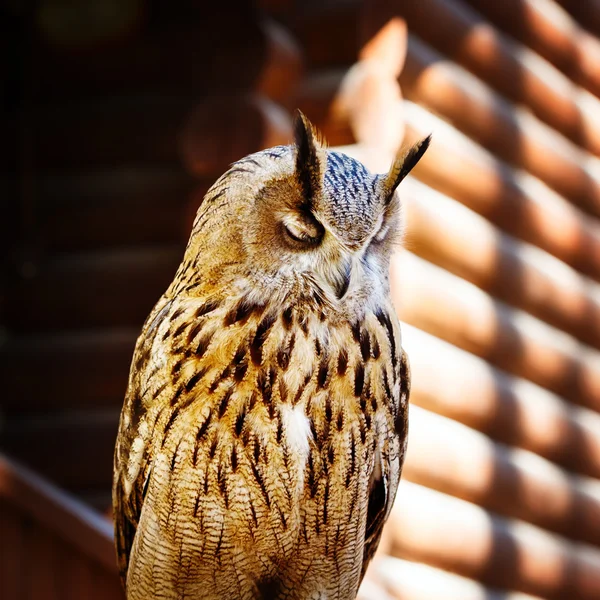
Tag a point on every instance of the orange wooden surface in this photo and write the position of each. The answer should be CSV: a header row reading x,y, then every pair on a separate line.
x,y
515,136
519,204
552,32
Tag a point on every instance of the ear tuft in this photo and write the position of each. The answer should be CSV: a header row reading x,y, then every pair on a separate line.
x,y
305,135
404,165
308,168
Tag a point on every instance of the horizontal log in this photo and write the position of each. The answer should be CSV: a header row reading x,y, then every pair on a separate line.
x,y
551,32
445,232
587,13
453,309
188,58
34,498
108,132
515,136
454,459
462,35
519,204
463,387
100,289
157,131
406,580
223,129
454,535
67,371
115,207
97,289
74,450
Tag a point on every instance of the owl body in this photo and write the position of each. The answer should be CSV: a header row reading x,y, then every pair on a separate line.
x,y
264,427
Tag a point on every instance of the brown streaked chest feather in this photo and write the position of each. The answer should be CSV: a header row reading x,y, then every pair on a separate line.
x,y
246,427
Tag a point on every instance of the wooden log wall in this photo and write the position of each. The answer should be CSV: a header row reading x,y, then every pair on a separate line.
x,y
497,284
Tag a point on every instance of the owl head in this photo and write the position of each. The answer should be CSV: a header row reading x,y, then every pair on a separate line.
x,y
301,215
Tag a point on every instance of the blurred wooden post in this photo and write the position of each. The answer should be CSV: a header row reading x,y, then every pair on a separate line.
x,y
41,528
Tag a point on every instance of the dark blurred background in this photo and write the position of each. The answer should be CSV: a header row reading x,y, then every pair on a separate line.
x,y
117,115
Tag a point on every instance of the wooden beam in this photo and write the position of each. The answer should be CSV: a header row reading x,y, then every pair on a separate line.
x,y
92,290
515,136
109,132
457,536
114,207
118,132
74,450
519,204
450,235
550,31
58,512
514,411
83,370
452,458
165,57
453,309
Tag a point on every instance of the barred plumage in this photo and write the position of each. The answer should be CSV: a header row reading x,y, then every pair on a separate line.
x,y
265,421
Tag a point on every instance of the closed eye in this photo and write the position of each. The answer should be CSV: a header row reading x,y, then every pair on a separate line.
x,y
307,232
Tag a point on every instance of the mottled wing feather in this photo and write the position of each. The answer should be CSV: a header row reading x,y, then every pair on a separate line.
x,y
382,490
128,506
125,530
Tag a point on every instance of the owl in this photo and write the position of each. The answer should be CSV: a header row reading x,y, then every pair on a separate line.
x,y
265,421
